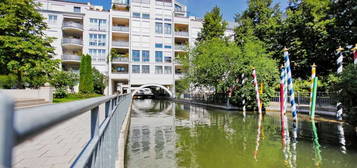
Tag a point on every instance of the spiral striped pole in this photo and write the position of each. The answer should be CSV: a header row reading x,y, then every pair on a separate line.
x,y
290,84
256,90
354,50
339,71
243,96
282,100
313,75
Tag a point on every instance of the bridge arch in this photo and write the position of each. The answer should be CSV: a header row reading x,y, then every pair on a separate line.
x,y
153,84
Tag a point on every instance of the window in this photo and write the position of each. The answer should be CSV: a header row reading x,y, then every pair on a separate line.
x,y
145,69
52,19
158,18
168,46
120,69
158,27
97,24
167,69
77,9
146,16
168,59
167,28
158,56
158,45
136,55
97,39
136,15
146,56
158,69
167,19
136,69
97,54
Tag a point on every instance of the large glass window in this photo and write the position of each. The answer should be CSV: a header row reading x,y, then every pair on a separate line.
x,y
136,15
158,69
97,39
168,59
168,46
136,55
158,45
146,55
158,27
167,28
167,69
146,16
136,68
145,69
52,19
77,9
158,56
97,24
97,54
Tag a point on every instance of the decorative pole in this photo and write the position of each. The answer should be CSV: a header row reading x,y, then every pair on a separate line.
x,y
313,75
256,90
313,100
290,84
243,96
282,98
354,50
339,71
261,93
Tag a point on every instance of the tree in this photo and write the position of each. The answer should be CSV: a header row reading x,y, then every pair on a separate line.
x,y
25,51
213,25
86,75
63,79
99,81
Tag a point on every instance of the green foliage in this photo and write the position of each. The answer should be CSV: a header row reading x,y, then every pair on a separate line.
x,y
7,81
181,86
347,88
25,51
218,64
86,75
99,81
63,79
74,96
60,93
213,25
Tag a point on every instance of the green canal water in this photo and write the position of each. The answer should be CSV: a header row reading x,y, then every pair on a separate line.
x,y
164,134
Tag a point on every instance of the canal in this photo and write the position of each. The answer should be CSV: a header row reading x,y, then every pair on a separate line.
x,y
164,134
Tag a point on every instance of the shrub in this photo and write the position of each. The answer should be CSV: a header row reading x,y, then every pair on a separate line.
x,y
60,93
98,81
85,75
7,81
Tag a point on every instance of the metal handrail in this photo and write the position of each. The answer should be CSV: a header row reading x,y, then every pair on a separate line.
x,y
71,41
120,28
19,125
181,33
71,57
72,25
120,59
120,43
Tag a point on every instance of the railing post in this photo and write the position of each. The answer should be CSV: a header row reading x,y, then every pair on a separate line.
x,y
94,122
108,108
6,130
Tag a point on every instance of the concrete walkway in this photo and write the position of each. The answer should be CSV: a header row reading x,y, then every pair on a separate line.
x,y
58,146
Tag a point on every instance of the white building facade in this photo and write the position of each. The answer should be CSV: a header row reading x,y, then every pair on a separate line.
x,y
135,43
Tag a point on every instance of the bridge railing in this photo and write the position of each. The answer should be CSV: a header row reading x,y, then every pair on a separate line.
x,y
102,147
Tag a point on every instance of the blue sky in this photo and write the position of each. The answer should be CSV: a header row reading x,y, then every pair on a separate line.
x,y
200,7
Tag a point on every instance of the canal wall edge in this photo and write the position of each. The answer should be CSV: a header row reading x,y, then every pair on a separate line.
x,y
123,139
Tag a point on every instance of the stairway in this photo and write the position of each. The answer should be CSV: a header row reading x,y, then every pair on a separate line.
x,y
26,103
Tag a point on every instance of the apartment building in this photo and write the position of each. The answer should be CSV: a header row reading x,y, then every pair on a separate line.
x,y
135,43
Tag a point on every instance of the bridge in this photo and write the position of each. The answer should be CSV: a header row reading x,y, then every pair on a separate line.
x,y
62,127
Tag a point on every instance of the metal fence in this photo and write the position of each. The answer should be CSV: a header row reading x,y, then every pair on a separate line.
x,y
304,98
101,149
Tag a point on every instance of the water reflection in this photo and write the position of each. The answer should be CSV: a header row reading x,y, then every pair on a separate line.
x,y
166,134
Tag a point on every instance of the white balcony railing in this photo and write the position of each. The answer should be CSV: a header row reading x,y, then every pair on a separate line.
x,y
72,25
141,1
72,41
120,59
120,43
181,33
71,57
120,28
180,47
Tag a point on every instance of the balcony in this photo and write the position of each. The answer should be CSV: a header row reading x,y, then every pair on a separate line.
x,y
180,47
181,33
120,44
72,42
141,1
71,58
120,74
120,59
120,28
72,26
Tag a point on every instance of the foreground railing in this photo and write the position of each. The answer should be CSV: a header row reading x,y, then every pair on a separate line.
x,y
101,149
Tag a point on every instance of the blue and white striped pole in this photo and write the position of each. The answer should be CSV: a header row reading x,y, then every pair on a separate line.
x,y
339,71
290,84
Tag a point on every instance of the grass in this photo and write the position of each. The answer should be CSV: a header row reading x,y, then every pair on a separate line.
x,y
74,97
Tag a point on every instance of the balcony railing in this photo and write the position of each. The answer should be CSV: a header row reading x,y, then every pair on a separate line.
x,y
141,1
120,43
120,28
120,72
120,59
72,25
180,47
180,10
71,57
181,33
72,41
